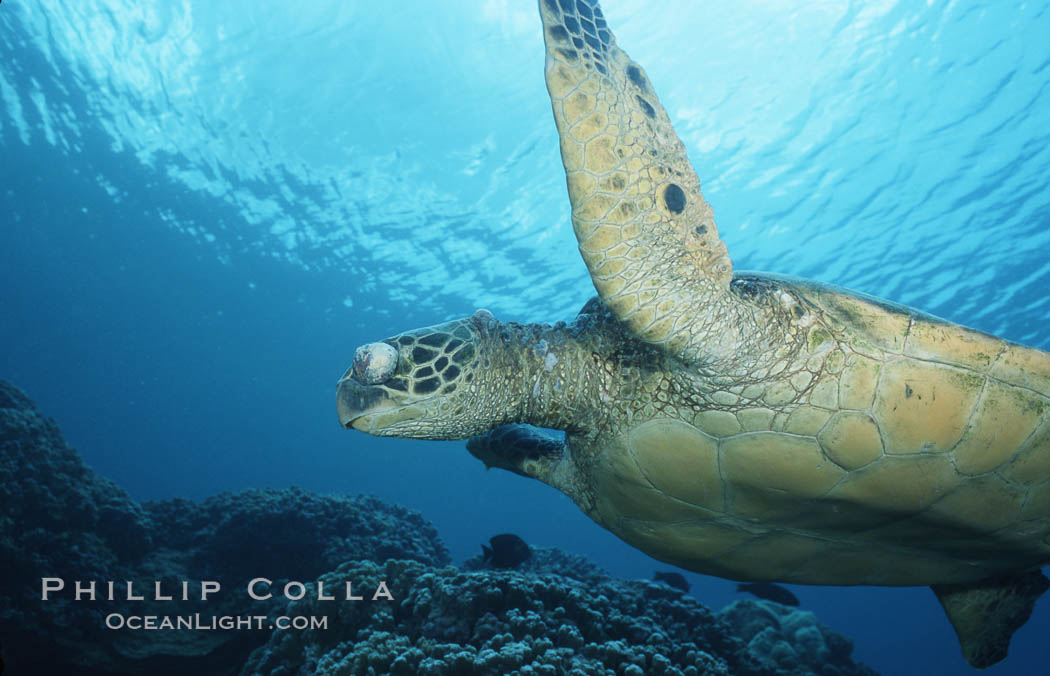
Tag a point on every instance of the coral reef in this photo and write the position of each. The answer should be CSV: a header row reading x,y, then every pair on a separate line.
x,y
59,519
448,621
548,560
290,534
786,639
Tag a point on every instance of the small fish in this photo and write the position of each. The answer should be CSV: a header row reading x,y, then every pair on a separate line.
x,y
770,592
507,551
672,580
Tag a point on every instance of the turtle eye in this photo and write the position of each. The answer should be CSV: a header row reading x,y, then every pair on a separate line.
x,y
374,363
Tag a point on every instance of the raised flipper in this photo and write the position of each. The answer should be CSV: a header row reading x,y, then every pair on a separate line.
x,y
986,614
645,231
522,449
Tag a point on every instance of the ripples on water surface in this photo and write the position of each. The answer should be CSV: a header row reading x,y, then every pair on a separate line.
x,y
396,166
896,149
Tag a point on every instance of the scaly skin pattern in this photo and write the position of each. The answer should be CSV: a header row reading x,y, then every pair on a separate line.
x,y
468,376
646,233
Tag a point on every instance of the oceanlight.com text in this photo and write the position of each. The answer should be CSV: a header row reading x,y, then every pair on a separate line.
x,y
198,622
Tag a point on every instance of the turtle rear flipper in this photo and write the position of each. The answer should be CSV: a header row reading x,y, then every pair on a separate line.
x,y
986,614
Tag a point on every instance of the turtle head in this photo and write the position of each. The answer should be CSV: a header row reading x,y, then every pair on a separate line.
x,y
417,384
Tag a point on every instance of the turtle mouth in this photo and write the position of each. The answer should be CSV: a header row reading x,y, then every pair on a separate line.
x,y
371,408
354,402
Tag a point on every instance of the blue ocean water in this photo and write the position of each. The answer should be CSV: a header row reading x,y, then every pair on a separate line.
x,y
204,208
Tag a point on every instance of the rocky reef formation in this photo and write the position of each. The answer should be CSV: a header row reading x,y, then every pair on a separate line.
x,y
410,612
59,519
550,561
289,534
537,621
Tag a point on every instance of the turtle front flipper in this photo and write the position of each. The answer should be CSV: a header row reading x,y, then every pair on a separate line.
x,y
522,449
645,231
986,614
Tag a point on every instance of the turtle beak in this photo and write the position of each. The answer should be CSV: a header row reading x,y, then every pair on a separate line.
x,y
363,399
356,393
371,408
353,400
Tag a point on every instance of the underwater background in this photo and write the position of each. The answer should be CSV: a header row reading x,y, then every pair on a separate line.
x,y
205,207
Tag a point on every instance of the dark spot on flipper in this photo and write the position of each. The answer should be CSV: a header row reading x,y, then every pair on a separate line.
x,y
568,6
605,36
674,198
552,6
799,312
908,391
634,74
558,33
646,108
593,42
601,68
572,25
578,43
585,10
426,386
588,27
700,230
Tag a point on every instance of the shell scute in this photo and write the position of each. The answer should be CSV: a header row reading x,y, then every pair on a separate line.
x,y
924,407
953,344
679,461
771,475
1031,465
851,439
1005,417
1023,366
857,383
982,503
898,485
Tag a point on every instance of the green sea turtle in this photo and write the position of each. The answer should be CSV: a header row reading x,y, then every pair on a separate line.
x,y
749,425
